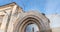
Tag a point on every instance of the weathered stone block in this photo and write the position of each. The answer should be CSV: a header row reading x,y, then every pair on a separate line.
x,y
16,20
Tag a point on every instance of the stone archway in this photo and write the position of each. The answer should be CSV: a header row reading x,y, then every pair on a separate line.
x,y
25,22
31,19
16,20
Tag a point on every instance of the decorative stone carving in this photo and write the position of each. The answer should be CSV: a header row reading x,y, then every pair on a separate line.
x,y
16,20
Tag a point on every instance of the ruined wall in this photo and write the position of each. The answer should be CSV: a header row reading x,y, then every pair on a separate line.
x,y
14,19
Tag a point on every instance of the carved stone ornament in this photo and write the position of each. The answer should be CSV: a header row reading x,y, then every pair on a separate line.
x,y
14,19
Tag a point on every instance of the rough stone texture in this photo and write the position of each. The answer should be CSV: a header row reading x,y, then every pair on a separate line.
x,y
14,19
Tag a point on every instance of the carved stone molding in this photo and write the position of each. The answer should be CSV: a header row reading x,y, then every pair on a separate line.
x,y
30,18
14,19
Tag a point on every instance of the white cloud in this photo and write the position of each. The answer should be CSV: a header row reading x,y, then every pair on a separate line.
x,y
54,20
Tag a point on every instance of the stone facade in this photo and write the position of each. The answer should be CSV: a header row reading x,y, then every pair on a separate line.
x,y
14,19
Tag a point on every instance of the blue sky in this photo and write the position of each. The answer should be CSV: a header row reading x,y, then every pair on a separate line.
x,y
43,6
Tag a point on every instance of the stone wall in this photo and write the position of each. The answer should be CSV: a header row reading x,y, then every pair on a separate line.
x,y
14,19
